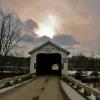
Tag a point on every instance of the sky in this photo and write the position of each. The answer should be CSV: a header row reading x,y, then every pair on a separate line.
x,y
73,24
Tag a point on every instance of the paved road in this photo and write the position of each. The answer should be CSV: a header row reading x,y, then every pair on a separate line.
x,y
43,88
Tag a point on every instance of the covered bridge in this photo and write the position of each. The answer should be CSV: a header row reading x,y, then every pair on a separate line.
x,y
49,58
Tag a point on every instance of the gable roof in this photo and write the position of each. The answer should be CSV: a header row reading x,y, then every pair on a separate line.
x,y
51,43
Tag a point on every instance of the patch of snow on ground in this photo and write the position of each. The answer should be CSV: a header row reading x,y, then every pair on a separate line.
x,y
72,94
92,97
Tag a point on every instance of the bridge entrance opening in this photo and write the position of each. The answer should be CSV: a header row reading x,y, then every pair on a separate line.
x,y
49,64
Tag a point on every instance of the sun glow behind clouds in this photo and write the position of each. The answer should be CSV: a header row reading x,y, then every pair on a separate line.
x,y
48,27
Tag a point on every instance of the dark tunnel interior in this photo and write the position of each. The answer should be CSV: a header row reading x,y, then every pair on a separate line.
x,y
45,63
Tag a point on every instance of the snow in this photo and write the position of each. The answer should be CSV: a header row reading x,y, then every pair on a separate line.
x,y
87,72
72,94
92,97
11,87
71,72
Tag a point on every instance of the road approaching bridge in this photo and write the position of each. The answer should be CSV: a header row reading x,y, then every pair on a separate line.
x,y
42,88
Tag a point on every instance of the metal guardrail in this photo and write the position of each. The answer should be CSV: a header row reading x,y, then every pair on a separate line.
x,y
79,85
14,80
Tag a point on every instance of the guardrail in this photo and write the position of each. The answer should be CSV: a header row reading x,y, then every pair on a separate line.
x,y
79,85
14,80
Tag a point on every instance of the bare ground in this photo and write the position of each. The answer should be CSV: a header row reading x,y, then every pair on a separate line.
x,y
43,88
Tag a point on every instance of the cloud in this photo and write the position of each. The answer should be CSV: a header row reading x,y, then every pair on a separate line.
x,y
78,17
27,38
26,29
30,25
27,26
65,40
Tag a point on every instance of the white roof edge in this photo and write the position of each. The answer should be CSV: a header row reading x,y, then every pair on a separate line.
x,y
49,42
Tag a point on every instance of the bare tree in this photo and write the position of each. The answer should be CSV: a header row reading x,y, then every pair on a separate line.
x,y
9,32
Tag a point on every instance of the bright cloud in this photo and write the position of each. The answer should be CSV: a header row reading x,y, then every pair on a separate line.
x,y
48,26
